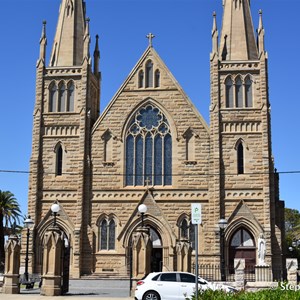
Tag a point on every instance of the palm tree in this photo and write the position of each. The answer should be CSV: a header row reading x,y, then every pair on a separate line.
x,y
9,214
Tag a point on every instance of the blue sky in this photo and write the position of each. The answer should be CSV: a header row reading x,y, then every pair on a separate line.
x,y
183,40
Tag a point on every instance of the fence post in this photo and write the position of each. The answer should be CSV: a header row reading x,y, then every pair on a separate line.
x,y
292,267
239,270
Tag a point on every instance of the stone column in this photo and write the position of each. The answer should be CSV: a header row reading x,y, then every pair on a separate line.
x,y
52,265
141,252
12,266
292,267
183,252
239,270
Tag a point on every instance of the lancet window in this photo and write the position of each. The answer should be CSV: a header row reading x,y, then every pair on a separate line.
x,y
238,92
107,234
61,97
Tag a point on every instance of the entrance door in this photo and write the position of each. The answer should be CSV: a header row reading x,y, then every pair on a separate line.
x,y
157,251
242,245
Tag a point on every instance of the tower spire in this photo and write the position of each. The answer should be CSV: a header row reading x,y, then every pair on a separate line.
x,y
214,34
96,56
43,43
260,35
68,43
237,38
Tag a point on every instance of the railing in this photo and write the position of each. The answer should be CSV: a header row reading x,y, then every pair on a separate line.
x,y
213,272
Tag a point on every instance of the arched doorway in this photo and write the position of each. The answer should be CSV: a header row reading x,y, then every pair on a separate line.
x,y
242,245
157,251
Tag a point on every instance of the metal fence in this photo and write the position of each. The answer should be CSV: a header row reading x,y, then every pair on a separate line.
x,y
213,273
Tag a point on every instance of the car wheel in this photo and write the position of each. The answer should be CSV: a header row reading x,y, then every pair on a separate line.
x,y
151,295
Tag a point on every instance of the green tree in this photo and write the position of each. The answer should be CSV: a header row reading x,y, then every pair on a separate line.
x,y
292,232
9,215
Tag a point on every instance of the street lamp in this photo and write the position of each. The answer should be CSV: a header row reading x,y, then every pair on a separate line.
x,y
28,223
55,209
142,209
222,225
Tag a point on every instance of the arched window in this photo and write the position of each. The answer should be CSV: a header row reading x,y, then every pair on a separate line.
x,y
59,160
187,232
192,235
108,140
248,92
52,98
229,92
70,97
149,74
157,78
240,158
61,98
184,233
107,235
141,79
148,149
239,92
189,145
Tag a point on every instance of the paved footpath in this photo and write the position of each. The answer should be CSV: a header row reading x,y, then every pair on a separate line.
x,y
81,290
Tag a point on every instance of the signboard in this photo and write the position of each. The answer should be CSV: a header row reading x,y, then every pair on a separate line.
x,y
196,213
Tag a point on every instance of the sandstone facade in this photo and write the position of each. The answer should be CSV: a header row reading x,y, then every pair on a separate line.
x,y
82,159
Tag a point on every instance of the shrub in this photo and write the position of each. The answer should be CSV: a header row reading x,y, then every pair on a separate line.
x,y
283,292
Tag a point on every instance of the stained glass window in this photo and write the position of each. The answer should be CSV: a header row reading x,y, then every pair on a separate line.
x,y
148,148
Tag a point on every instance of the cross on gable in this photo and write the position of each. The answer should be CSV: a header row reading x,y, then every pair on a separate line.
x,y
150,37
147,181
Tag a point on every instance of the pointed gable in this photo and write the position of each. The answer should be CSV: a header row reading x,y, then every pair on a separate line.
x,y
151,77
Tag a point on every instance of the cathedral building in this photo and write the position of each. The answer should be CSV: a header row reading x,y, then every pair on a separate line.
x,y
151,146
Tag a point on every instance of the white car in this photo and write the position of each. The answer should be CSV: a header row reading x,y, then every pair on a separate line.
x,y
173,286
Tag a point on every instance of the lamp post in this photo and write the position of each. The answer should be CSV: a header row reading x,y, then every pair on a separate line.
x,y
142,209
222,225
55,209
28,223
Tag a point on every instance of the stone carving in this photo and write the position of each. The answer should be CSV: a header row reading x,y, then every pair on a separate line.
x,y
261,250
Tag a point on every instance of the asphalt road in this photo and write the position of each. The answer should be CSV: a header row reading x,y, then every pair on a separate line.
x,y
83,289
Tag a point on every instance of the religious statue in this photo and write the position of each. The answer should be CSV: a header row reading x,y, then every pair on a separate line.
x,y
261,250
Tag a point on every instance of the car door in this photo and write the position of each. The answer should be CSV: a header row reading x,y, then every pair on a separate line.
x,y
187,285
168,286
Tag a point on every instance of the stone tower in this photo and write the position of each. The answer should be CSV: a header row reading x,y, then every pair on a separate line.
x,y
240,130
66,106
